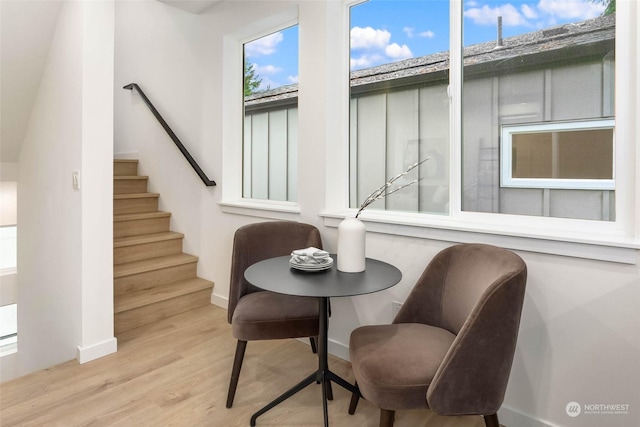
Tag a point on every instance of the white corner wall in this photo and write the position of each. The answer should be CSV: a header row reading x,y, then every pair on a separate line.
x,y
65,264
579,337
97,339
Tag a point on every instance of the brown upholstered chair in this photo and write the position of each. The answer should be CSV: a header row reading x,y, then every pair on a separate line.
x,y
451,345
261,315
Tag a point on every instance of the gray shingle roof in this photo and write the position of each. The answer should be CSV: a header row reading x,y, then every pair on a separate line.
x,y
584,38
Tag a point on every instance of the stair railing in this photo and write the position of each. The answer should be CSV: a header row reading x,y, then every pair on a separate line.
x,y
173,136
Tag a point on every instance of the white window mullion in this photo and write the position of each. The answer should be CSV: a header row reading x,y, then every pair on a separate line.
x,y
627,97
455,107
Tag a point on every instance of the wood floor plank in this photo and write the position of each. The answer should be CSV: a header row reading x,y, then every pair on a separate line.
x,y
176,371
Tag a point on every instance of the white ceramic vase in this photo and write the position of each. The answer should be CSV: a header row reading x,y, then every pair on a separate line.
x,y
351,245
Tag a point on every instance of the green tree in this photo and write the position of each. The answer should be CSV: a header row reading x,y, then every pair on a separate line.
x,y
610,6
251,80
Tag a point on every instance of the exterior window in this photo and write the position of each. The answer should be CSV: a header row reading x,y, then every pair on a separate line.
x,y
537,111
399,108
8,329
8,267
536,81
8,248
569,156
271,117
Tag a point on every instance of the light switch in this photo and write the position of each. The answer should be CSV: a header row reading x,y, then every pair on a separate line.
x,y
76,180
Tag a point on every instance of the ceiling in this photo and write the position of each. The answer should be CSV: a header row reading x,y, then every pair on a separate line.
x,y
193,6
26,31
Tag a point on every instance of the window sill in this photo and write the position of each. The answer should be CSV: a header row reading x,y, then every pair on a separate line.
x,y
261,208
613,249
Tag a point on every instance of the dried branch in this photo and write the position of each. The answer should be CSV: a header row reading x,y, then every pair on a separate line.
x,y
381,192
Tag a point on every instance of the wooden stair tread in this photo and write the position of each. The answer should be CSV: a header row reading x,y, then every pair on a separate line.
x,y
141,215
135,196
143,266
125,160
146,238
145,297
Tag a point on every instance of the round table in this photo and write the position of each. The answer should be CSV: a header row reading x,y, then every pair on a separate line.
x,y
275,275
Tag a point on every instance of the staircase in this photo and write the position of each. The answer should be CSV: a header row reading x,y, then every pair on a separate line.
x,y
153,278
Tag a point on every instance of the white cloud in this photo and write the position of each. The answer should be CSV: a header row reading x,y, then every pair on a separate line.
x,y
489,15
398,52
409,31
529,12
292,79
543,14
374,46
369,38
427,34
571,9
263,46
267,69
366,61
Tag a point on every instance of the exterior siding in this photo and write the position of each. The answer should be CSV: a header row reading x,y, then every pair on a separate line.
x,y
400,119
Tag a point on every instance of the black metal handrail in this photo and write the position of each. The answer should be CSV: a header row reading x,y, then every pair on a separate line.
x,y
173,136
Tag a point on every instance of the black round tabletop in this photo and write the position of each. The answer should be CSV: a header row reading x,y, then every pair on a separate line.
x,y
276,275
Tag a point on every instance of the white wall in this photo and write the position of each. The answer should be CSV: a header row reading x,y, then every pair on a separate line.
x,y
97,180
579,337
65,276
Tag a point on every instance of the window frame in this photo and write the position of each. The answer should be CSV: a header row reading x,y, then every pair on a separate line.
x,y
506,159
232,198
615,241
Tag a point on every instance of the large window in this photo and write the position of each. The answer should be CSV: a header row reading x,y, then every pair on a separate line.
x,y
399,111
535,78
270,116
545,100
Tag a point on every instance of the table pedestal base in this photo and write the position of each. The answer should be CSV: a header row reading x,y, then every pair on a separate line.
x,y
319,377
322,376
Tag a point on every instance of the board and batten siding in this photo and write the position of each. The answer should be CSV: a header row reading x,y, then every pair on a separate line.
x,y
392,129
557,94
270,154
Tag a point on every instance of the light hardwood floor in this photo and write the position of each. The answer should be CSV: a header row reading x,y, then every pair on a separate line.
x,y
176,373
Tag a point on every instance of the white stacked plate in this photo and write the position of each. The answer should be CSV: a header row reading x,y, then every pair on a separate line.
x,y
318,265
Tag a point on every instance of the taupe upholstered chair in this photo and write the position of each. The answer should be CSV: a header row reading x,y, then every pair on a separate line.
x,y
261,315
451,345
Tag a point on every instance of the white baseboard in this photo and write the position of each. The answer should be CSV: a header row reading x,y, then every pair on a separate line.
x,y
220,301
95,351
511,418
339,349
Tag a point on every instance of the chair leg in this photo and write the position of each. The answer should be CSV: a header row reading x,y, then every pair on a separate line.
x,y
491,420
387,417
355,398
329,390
235,372
314,345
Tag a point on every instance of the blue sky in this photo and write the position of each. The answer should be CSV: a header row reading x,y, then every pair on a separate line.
x,y
384,31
